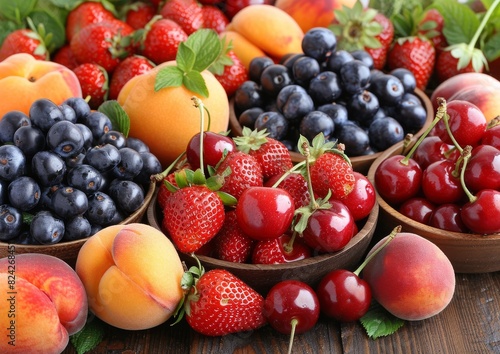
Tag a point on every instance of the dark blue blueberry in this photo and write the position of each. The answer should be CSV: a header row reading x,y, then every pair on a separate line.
x,y
98,123
248,117
85,178
77,228
388,89
115,138
406,77
48,168
316,122
30,140
10,122
11,222
274,123
338,112
68,112
364,56
256,67
362,107
247,95
410,114
325,88
136,144
3,191
88,139
384,133
46,196
355,76
274,78
24,238
80,106
337,59
128,195
101,209
130,164
294,102
46,228
304,70
117,218
24,193
355,139
69,202
44,113
74,161
150,166
65,139
103,157
289,60
12,162
319,43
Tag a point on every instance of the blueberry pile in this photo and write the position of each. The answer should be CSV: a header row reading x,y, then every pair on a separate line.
x,y
65,173
331,91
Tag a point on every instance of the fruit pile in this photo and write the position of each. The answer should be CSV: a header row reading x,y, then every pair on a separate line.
x,y
65,173
333,92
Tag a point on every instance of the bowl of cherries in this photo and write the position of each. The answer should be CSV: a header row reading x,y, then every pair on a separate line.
x,y
445,186
334,92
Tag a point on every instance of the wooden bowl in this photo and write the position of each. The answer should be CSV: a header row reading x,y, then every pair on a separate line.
x,y
359,163
469,253
68,251
262,277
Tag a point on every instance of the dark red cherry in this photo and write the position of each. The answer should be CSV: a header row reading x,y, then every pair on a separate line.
x,y
492,135
432,149
418,209
441,183
483,169
447,217
480,214
214,146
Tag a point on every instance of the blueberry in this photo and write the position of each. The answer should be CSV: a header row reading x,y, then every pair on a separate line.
x,y
388,89
128,195
115,138
80,106
101,209
65,139
324,88
364,56
3,191
256,66
11,222
130,164
12,162
355,76
98,123
337,112
362,107
88,139
410,115
77,228
150,166
117,218
136,144
248,117
337,59
69,202
30,140
274,123
24,238
274,78
103,157
74,161
290,59
46,228
316,122
10,122
319,43
385,132
46,196
48,168
247,95
355,139
68,112
44,113
304,70
294,102
85,178
406,77
24,193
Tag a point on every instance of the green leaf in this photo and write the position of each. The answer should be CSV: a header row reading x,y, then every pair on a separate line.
x,y
7,27
194,82
55,8
119,118
460,22
52,27
207,46
491,48
169,76
186,57
16,10
378,322
89,336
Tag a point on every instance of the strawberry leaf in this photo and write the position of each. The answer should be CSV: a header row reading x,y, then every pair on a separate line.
x,y
55,33
119,118
460,22
378,322
491,47
16,10
7,27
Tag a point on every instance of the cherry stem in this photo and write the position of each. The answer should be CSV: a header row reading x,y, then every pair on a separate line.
x,y
446,119
307,153
466,154
288,246
201,107
391,236
160,176
294,323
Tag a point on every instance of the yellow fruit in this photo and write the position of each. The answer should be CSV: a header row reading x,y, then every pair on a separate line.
x,y
243,49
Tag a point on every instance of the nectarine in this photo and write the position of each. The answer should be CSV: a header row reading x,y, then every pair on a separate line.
x,y
410,277
132,275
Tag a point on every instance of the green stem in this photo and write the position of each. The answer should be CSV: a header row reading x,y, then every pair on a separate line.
x,y
201,107
483,23
160,176
465,156
292,334
446,119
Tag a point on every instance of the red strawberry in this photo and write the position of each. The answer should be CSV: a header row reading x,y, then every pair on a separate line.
x,y
416,54
24,41
127,69
160,39
65,56
295,184
385,38
85,14
94,82
103,43
275,251
220,303
446,66
233,75
431,26
192,216
332,172
139,14
214,18
231,243
240,171
187,13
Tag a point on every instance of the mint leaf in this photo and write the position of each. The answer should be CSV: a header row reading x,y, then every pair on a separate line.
x,y
88,337
194,82
460,22
169,76
16,10
378,322
186,57
119,118
206,44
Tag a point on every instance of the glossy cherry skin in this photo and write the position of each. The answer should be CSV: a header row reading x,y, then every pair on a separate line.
x,y
418,209
343,295
265,213
483,169
492,136
481,215
440,185
289,300
330,230
362,197
396,181
447,217
214,145
274,252
432,149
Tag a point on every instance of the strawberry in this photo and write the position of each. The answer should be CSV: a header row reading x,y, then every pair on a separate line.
x,y
280,250
125,70
219,303
446,66
431,26
94,82
24,41
65,56
360,28
293,183
187,13
85,14
139,14
103,43
214,18
231,243
272,155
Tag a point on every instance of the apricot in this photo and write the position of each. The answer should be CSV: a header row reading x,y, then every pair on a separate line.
x,y
244,49
410,277
166,119
24,79
132,276
44,302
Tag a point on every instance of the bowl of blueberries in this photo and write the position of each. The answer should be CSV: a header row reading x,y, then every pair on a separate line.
x,y
332,91
66,172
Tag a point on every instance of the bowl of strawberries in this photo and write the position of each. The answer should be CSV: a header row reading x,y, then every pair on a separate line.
x,y
246,207
444,186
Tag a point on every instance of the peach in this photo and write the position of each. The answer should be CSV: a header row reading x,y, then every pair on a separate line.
x,y
485,97
24,79
44,302
132,275
410,277
244,50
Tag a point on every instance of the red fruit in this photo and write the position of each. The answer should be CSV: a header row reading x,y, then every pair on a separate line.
x,y
433,22
192,216
127,69
446,66
295,184
362,198
215,146
279,250
492,135
24,41
415,54
418,209
265,213
240,172
187,13
233,74
385,38
139,14
441,183
447,217
480,214
332,172
220,304
483,169
163,191
214,18
233,6
231,243
65,56
433,149
94,82
86,13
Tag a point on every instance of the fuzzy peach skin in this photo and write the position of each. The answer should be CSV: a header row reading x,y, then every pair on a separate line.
x,y
411,277
132,274
24,79
43,303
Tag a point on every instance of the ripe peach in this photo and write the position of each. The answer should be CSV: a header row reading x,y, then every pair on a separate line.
x,y
24,79
45,303
132,275
411,277
243,49
485,97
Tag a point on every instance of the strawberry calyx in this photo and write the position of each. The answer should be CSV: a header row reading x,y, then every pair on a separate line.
x,y
38,33
217,67
250,139
139,36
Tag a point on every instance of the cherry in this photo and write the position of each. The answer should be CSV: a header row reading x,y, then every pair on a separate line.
x,y
214,147
492,134
441,183
283,249
483,169
447,217
291,306
432,149
418,209
362,197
